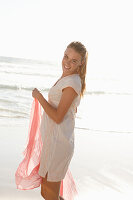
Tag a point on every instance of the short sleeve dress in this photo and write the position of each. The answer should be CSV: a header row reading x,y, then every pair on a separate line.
x,y
58,139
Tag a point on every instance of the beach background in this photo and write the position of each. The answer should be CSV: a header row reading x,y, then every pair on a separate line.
x,y
102,165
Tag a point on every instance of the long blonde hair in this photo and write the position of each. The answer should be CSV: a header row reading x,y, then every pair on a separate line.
x,y
80,48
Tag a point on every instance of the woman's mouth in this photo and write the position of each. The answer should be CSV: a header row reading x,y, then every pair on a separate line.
x,y
67,67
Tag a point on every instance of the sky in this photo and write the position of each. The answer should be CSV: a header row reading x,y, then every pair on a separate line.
x,y
41,30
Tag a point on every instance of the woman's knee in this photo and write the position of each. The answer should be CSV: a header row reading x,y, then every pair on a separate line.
x,y
52,190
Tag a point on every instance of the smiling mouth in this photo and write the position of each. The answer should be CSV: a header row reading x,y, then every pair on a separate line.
x,y
67,67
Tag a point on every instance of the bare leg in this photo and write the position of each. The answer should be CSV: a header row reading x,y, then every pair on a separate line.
x,y
50,190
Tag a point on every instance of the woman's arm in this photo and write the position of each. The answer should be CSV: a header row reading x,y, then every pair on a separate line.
x,y
57,114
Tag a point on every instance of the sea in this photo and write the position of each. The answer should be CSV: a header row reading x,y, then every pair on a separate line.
x,y
107,104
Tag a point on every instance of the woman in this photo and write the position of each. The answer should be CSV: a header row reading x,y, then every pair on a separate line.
x,y
57,125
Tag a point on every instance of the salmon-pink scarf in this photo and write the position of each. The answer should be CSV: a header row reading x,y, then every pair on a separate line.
x,y
26,176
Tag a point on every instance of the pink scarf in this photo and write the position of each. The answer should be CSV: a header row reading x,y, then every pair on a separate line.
x,y
26,176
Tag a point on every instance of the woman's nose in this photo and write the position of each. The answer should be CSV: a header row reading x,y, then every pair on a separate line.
x,y
68,62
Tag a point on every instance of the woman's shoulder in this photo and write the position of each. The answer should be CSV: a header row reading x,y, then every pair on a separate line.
x,y
76,79
73,77
73,81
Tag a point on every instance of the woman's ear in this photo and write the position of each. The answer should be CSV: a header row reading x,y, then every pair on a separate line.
x,y
83,61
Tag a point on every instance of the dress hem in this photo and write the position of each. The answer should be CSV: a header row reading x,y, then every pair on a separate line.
x,y
51,179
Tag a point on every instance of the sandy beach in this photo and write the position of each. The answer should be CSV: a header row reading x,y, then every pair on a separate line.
x,y
102,164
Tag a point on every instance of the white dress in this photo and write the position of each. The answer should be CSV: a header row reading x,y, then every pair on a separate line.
x,y
58,139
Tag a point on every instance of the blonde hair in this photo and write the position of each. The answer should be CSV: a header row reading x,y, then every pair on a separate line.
x,y
80,48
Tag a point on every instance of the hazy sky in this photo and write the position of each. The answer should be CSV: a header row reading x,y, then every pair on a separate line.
x,y
41,29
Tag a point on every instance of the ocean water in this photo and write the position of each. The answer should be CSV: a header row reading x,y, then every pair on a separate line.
x,y
106,105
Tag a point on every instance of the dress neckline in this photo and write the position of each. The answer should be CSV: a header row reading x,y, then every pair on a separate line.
x,y
62,78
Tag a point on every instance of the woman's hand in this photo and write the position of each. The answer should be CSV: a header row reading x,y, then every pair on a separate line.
x,y
35,93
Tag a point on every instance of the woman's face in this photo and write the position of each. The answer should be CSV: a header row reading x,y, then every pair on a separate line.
x,y
71,61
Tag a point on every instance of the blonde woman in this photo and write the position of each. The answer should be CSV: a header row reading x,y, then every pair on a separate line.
x,y
58,120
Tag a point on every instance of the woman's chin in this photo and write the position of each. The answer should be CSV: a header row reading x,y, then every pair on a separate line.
x,y
66,71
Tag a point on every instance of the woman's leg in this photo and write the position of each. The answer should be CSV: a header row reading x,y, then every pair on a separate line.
x,y
43,187
50,190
